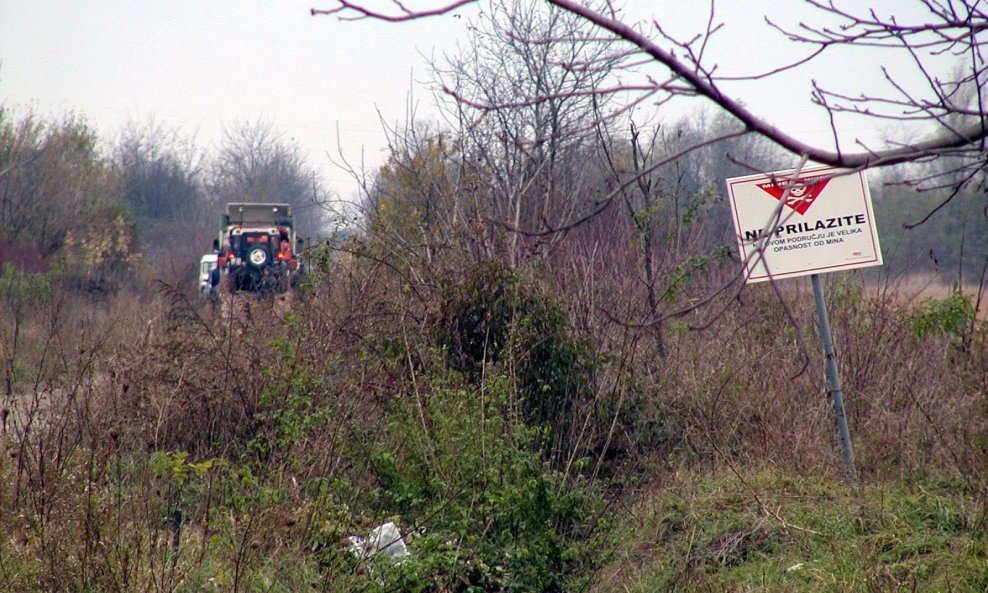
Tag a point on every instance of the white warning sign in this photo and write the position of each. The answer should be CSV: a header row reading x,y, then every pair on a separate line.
x,y
826,223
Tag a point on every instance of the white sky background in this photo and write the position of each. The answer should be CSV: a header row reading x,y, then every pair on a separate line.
x,y
197,65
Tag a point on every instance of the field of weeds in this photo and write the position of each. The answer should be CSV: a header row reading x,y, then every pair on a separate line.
x,y
767,530
155,444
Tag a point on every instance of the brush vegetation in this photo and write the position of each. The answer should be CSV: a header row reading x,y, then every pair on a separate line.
x,y
155,444
547,383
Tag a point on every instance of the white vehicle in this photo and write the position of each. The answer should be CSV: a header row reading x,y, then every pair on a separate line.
x,y
207,263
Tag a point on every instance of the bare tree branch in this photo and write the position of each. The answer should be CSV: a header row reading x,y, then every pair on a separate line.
x,y
952,28
346,7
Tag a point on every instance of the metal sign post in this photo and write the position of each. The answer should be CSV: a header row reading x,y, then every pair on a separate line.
x,y
805,222
833,381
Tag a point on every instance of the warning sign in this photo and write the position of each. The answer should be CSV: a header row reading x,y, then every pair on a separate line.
x,y
825,224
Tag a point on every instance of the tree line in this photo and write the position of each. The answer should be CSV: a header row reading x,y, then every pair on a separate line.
x,y
535,156
107,213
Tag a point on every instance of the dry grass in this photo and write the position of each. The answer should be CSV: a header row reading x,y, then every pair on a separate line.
x,y
282,405
912,289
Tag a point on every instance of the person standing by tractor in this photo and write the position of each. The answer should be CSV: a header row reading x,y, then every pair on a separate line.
x,y
284,253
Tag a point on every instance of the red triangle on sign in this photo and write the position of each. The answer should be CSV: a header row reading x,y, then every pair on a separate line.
x,y
803,193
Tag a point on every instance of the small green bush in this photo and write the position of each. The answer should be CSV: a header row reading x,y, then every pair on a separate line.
x,y
493,319
482,509
951,316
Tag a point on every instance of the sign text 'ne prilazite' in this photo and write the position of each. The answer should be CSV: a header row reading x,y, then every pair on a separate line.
x,y
825,224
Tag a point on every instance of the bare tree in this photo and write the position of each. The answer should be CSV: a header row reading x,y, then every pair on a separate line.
x,y
160,174
956,121
257,164
524,92
943,41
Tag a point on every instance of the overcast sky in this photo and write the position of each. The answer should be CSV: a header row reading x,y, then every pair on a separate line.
x,y
200,65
